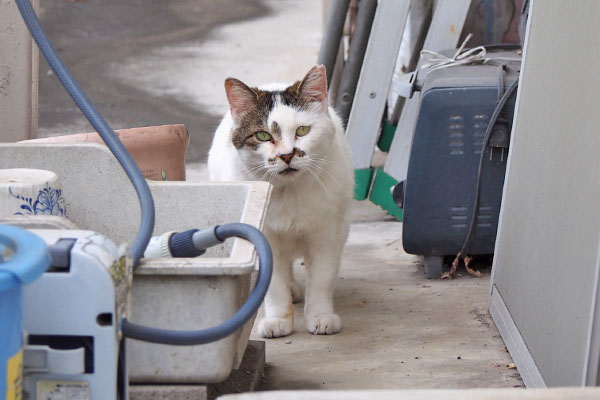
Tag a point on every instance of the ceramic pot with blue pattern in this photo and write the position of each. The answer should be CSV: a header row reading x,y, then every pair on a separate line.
x,y
25,191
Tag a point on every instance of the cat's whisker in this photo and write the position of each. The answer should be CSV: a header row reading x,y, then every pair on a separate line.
x,y
256,169
259,165
324,170
254,174
320,158
324,161
326,165
321,166
271,176
319,180
267,172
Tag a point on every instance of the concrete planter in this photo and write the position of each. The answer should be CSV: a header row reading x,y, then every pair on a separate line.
x,y
196,293
192,293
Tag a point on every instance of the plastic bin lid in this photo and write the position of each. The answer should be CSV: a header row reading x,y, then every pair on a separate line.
x,y
23,257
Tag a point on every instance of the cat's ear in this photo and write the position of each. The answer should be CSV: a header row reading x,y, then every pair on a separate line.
x,y
241,98
313,88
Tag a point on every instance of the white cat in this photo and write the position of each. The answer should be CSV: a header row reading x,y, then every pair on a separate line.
x,y
288,136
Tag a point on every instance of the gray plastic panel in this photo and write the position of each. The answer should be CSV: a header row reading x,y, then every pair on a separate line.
x,y
546,261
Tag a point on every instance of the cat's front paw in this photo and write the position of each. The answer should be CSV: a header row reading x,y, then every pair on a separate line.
x,y
323,324
272,327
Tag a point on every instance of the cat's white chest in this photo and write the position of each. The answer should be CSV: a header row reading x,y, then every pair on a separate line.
x,y
296,209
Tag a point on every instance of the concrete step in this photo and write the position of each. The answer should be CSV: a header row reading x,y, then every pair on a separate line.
x,y
244,379
438,394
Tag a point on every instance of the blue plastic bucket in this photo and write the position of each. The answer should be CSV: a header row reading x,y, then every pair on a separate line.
x,y
23,258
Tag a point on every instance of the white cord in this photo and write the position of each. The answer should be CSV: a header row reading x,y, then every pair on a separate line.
x,y
478,54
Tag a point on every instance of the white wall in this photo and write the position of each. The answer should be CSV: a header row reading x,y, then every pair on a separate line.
x,y
18,76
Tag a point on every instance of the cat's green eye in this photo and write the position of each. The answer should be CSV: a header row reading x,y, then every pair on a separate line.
x,y
302,130
263,136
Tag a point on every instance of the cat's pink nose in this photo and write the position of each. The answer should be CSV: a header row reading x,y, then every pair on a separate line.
x,y
286,157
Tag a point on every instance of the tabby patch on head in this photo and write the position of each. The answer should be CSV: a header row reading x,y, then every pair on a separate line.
x,y
275,129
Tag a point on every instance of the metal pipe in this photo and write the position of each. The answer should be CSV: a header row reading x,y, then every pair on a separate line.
x,y
356,54
334,30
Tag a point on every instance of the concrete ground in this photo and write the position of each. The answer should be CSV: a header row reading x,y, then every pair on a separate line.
x,y
401,330
153,63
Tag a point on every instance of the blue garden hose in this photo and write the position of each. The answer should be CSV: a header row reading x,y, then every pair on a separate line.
x,y
245,231
250,307
101,126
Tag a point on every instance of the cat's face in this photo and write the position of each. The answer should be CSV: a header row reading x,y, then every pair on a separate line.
x,y
283,133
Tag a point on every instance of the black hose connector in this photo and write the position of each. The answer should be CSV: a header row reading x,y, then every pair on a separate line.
x,y
187,338
182,245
